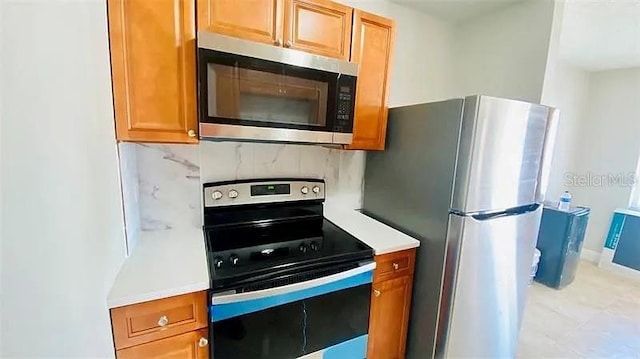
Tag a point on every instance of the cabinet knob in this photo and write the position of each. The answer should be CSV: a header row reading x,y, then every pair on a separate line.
x,y
278,42
163,321
203,342
376,292
191,133
288,44
396,266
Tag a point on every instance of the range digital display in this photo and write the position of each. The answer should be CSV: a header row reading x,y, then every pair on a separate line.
x,y
270,189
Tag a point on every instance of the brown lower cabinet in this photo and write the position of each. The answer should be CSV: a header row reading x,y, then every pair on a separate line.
x,y
390,305
174,327
191,345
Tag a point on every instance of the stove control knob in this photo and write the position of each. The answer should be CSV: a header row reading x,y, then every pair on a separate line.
x,y
217,262
304,190
314,246
216,195
316,189
233,259
233,193
303,248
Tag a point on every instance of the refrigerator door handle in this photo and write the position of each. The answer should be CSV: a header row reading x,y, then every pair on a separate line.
x,y
506,213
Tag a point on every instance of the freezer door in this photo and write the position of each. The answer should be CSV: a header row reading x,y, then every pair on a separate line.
x,y
487,273
500,154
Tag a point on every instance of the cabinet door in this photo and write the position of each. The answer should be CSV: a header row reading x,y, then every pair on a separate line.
x,y
191,345
318,26
153,68
372,50
390,303
255,20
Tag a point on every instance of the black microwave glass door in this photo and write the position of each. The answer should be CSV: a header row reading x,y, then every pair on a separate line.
x,y
335,323
249,91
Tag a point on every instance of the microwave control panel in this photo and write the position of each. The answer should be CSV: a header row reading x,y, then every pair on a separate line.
x,y
345,105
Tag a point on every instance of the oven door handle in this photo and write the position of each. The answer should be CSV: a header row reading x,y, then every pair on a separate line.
x,y
226,306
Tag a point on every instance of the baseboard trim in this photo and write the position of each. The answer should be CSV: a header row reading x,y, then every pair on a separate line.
x,y
589,255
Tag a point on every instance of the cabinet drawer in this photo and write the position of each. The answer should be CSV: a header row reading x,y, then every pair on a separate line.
x,y
141,323
192,345
394,265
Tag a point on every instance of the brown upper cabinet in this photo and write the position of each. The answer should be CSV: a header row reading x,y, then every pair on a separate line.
x,y
255,20
319,27
316,26
153,59
153,68
372,50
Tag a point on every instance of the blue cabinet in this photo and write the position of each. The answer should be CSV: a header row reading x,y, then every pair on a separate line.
x,y
560,242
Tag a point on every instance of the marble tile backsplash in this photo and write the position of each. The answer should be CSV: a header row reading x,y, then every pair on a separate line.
x,y
169,184
169,177
130,192
342,171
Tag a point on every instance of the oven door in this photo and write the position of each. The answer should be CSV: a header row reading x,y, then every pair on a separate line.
x,y
327,317
256,91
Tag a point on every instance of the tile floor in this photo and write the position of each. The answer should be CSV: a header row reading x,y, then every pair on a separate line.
x,y
597,316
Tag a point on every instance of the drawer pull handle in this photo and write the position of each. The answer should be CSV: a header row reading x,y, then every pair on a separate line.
x,y
203,342
191,133
277,42
288,44
163,321
396,266
376,292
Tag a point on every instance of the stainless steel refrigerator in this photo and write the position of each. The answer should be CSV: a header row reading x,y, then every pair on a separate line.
x,y
466,177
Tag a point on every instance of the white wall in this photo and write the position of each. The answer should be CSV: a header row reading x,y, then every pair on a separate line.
x,y
422,68
608,143
504,53
1,160
569,94
62,234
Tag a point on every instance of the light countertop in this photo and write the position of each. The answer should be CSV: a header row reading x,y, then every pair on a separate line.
x,y
174,262
163,264
382,238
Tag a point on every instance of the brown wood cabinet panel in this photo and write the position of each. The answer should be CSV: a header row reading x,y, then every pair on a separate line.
x,y
373,39
390,305
394,265
191,345
153,68
145,322
255,20
318,26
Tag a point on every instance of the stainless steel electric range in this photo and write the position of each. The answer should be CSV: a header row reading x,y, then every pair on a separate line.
x,y
285,282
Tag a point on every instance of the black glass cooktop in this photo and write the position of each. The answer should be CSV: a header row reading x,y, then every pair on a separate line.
x,y
258,244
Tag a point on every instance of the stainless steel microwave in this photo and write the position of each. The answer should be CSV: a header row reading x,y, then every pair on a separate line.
x,y
259,92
